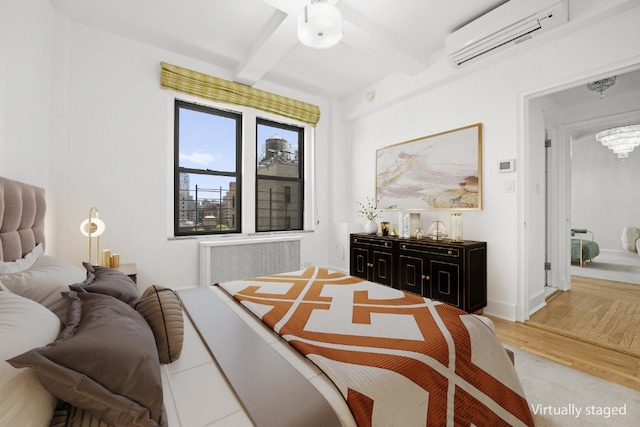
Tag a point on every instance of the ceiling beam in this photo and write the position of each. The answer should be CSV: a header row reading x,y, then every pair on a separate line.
x,y
371,38
278,38
290,7
360,32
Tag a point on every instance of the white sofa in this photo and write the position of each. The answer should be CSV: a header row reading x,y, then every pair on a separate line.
x,y
631,239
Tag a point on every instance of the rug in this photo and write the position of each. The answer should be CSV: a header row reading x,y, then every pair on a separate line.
x,y
560,396
611,266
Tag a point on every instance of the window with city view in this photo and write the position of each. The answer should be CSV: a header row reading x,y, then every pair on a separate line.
x,y
279,177
208,153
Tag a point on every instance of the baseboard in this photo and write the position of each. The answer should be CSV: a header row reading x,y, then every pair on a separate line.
x,y
501,309
537,302
338,269
618,255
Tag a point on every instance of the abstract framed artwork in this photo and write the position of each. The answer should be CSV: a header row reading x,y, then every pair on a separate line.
x,y
440,171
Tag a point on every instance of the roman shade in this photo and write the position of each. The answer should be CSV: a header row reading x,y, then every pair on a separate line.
x,y
220,90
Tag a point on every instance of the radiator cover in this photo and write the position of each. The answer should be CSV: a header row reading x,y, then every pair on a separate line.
x,y
234,259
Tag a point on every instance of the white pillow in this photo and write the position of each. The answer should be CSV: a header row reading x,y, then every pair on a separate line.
x,y
45,281
629,237
24,325
23,263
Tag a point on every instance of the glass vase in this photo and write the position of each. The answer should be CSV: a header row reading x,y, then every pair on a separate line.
x,y
456,227
437,231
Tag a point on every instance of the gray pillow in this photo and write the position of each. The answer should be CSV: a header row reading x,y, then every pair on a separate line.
x,y
44,283
105,361
108,281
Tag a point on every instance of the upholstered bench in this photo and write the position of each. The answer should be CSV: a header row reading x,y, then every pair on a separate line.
x,y
583,249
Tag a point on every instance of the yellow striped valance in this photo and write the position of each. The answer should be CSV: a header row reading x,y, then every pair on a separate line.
x,y
220,90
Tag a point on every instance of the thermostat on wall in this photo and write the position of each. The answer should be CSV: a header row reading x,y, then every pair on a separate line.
x,y
507,165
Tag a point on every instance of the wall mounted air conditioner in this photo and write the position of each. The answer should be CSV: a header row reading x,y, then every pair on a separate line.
x,y
507,25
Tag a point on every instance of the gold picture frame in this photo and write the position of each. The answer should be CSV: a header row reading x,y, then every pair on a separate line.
x,y
435,172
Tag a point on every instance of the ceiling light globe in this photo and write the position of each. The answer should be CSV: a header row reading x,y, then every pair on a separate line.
x,y
320,26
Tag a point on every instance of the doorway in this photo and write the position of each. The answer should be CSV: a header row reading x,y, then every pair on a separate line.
x,y
556,116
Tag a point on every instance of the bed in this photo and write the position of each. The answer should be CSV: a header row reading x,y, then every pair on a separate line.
x,y
84,347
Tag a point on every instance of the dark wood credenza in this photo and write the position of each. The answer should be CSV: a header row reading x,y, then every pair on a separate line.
x,y
451,272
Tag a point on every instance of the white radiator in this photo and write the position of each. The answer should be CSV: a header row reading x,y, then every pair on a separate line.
x,y
240,258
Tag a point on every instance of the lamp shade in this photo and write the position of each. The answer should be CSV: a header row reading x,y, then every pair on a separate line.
x,y
97,227
320,25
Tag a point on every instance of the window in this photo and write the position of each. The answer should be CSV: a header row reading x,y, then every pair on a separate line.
x,y
207,156
279,176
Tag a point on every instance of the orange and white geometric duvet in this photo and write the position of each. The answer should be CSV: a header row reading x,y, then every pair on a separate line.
x,y
397,358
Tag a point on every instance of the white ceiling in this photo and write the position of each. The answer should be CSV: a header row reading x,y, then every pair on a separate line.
x,y
625,84
257,40
587,113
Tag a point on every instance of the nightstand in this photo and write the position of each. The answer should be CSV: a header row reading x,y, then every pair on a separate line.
x,y
130,270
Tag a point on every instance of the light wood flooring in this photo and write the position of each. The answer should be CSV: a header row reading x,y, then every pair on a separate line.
x,y
595,310
614,324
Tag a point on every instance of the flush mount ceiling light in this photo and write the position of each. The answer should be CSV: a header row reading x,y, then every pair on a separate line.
x,y
601,85
320,24
622,140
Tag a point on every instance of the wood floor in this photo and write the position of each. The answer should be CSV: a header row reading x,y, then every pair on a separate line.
x,y
614,356
595,310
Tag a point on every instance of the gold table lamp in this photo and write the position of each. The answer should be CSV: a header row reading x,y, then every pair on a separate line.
x,y
93,227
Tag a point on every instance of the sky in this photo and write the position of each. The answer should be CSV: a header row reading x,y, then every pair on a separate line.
x,y
207,141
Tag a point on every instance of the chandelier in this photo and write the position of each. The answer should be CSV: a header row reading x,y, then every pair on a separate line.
x,y
622,140
320,25
601,85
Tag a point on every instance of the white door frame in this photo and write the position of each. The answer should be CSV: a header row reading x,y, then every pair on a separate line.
x,y
560,210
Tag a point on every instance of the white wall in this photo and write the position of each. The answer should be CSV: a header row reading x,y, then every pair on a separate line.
x,y
120,154
83,115
604,195
25,89
26,49
603,187
494,95
455,104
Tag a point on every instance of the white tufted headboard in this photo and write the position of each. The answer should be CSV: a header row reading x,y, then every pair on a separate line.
x,y
22,209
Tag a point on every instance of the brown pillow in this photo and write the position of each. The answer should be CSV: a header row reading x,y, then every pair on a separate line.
x,y
162,310
105,361
108,281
